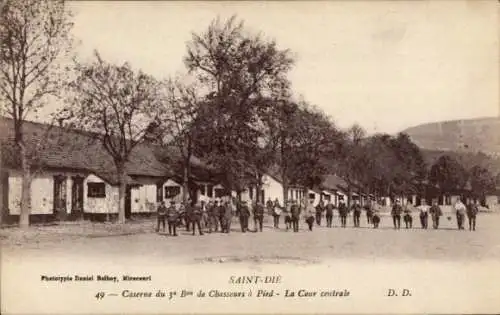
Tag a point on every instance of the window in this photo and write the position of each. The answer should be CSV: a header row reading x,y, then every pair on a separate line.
x,y
251,193
220,192
172,191
159,192
210,191
311,196
96,190
202,189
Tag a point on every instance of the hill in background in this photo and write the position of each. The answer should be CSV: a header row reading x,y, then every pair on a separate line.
x,y
468,135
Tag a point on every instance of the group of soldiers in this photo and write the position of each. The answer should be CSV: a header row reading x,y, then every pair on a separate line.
x,y
435,212
216,215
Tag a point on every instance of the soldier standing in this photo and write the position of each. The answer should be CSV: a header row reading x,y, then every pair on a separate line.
x,y
221,211
319,212
369,212
375,218
228,215
424,214
212,217
436,212
460,213
276,211
258,216
172,217
162,212
472,210
396,214
244,213
356,209
195,213
329,213
204,215
295,214
343,214
407,218
310,215
269,206
288,215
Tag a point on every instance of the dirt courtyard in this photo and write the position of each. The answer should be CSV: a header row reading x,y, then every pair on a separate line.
x,y
270,246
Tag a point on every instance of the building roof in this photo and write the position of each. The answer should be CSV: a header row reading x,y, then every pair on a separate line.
x,y
58,148
334,182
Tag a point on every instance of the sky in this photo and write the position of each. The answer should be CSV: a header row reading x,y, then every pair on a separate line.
x,y
386,65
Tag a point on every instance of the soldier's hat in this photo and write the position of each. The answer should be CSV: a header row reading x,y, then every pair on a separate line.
x,y
172,201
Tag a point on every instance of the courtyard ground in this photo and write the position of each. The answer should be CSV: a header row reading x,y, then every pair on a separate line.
x,y
447,270
139,239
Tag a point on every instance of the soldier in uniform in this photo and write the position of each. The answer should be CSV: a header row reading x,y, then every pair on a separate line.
x,y
269,206
212,217
244,214
172,217
369,212
329,213
162,212
343,214
309,214
288,214
460,213
194,214
472,210
375,217
228,215
396,214
424,213
276,211
258,216
356,209
407,218
319,212
221,211
295,215
435,212
204,215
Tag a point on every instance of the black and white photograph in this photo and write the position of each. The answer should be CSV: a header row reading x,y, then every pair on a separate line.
x,y
238,157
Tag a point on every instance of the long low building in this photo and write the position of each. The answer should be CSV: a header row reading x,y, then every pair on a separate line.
x,y
73,176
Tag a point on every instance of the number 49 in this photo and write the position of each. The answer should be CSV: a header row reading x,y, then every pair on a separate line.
x,y
100,295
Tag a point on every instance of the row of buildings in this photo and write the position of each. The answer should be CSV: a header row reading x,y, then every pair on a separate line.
x,y
74,178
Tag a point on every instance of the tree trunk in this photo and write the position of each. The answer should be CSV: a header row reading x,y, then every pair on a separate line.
x,y
121,192
349,196
24,218
2,174
285,189
185,181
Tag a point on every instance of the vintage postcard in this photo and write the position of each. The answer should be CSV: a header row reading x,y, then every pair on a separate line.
x,y
249,157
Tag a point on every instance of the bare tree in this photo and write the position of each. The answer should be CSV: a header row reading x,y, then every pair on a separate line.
x,y
114,103
34,37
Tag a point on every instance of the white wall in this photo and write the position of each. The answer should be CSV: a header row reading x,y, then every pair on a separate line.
x,y
42,192
272,189
492,201
109,204
143,198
